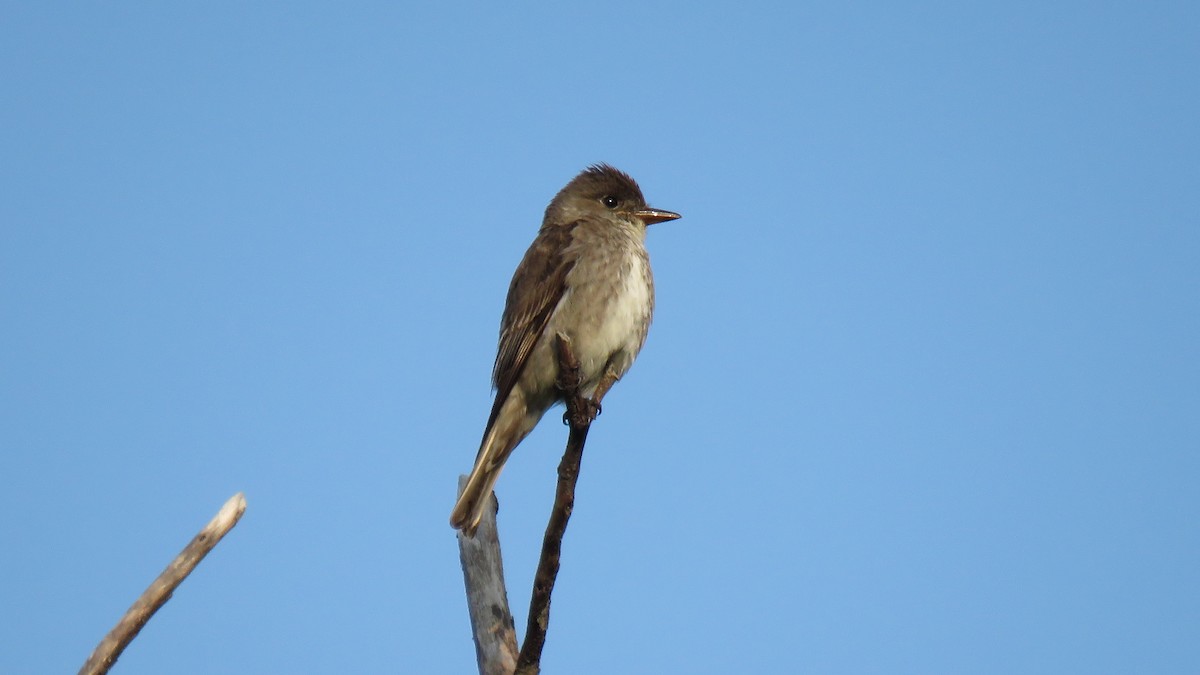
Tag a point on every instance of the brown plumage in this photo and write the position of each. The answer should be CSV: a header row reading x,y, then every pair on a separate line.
x,y
586,276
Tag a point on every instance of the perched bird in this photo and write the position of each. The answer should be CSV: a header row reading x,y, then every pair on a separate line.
x,y
587,277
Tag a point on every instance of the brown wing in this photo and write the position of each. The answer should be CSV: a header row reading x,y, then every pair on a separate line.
x,y
537,286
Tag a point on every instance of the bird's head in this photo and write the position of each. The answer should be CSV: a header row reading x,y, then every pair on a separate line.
x,y
601,190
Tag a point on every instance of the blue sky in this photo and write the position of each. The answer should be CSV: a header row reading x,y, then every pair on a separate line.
x,y
922,394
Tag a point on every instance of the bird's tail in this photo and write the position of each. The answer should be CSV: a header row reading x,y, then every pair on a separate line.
x,y
505,432
468,510
513,421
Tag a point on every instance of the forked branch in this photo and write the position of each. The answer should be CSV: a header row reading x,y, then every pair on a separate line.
x,y
491,618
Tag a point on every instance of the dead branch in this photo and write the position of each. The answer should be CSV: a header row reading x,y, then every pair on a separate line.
x,y
487,600
110,648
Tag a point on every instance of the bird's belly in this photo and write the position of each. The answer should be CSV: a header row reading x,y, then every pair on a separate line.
x,y
608,322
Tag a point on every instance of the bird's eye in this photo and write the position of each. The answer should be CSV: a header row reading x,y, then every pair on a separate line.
x,y
610,201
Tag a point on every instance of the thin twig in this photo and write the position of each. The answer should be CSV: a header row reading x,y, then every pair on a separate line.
x,y
487,600
110,648
579,416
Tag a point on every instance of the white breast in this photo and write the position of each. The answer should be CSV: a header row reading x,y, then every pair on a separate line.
x,y
622,331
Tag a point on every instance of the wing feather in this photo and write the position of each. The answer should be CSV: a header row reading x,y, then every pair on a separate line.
x,y
535,291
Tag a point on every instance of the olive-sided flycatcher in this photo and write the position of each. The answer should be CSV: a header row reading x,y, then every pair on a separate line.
x,y
586,276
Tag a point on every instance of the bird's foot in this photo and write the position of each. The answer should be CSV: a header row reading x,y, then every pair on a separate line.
x,y
588,410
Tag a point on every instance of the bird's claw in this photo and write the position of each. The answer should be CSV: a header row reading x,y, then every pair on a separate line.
x,y
589,410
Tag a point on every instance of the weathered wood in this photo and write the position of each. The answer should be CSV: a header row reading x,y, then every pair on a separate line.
x,y
154,597
487,600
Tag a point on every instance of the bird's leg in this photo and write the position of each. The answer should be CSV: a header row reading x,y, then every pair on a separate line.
x,y
579,411
589,408
606,382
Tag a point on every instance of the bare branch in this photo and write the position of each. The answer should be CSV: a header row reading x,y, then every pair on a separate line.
x,y
110,648
487,600
579,415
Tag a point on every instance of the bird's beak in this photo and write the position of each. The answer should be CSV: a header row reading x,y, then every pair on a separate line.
x,y
652,216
